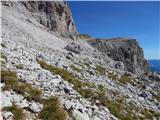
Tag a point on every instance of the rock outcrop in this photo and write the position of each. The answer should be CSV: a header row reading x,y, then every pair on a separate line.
x,y
125,50
54,15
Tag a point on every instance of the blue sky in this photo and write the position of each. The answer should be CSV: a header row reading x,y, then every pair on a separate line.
x,y
109,19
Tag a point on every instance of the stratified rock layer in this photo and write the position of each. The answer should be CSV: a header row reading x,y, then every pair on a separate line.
x,y
125,50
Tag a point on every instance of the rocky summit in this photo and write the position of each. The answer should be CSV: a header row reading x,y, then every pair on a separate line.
x,y
49,71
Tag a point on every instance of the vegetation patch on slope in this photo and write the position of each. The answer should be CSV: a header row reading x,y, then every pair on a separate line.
x,y
52,110
100,70
117,107
17,112
79,86
27,90
126,79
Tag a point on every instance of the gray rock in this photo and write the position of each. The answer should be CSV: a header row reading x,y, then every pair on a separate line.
x,y
17,98
92,72
70,55
7,115
35,107
67,89
80,116
119,65
73,47
146,94
22,104
6,100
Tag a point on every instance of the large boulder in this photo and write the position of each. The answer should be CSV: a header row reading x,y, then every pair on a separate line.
x,y
146,94
73,47
119,65
7,115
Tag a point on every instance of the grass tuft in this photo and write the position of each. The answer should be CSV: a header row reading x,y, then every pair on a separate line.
x,y
87,93
52,110
29,92
126,79
17,112
10,79
100,69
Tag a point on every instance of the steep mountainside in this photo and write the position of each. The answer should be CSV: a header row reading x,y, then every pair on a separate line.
x,y
57,17
46,75
54,15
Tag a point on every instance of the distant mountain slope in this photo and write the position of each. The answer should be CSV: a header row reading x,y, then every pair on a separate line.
x,y
126,50
154,65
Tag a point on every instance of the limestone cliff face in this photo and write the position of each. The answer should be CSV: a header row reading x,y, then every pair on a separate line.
x,y
125,50
54,15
